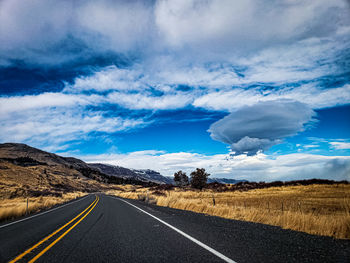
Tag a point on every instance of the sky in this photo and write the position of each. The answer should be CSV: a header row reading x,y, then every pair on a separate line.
x,y
247,89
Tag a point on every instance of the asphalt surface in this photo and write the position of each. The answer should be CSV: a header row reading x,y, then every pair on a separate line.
x,y
112,230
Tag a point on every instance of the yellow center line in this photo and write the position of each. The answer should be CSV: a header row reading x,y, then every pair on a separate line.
x,y
60,237
49,236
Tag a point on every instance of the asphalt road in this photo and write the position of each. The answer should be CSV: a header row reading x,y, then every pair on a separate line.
x,y
108,229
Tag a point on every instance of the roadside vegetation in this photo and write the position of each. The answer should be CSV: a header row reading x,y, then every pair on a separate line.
x,y
319,207
17,207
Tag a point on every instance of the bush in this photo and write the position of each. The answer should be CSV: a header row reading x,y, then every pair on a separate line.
x,y
146,198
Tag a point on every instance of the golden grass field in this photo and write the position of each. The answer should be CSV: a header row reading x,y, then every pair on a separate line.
x,y
315,209
16,207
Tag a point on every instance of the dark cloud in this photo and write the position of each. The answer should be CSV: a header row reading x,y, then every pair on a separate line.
x,y
258,127
55,32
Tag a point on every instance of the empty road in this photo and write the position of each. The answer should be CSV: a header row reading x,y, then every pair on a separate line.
x,y
100,228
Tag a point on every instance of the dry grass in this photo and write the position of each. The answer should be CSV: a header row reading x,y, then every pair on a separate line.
x,y
16,207
315,209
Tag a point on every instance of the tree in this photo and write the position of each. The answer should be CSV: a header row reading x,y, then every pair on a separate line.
x,y
180,178
199,178
184,179
177,177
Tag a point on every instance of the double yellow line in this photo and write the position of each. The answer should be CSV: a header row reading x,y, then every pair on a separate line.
x,y
88,209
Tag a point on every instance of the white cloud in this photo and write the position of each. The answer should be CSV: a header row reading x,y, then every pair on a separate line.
x,y
44,100
340,145
310,146
58,124
209,87
149,101
255,168
313,96
258,127
109,78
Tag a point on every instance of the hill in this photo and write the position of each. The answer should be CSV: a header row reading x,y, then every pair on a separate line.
x,y
27,171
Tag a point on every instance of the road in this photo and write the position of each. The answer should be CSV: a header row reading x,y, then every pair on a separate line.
x,y
102,228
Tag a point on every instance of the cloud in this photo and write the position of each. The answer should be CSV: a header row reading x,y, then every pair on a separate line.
x,y
310,146
311,95
119,25
54,32
149,101
258,127
252,145
259,167
340,145
110,78
235,26
139,87
44,100
56,119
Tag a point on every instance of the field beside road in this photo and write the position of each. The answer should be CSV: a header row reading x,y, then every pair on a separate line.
x,y
315,209
17,207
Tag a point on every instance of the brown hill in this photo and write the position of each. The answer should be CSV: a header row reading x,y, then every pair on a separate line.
x,y
27,171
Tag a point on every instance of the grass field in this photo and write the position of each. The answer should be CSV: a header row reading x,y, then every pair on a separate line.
x,y
315,209
16,207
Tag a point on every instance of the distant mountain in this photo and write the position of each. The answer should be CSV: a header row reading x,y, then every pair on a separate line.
x,y
141,175
153,176
225,180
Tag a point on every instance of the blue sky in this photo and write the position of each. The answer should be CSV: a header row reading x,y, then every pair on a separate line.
x,y
246,89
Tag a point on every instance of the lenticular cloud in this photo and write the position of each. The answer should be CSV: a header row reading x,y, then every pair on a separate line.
x,y
256,128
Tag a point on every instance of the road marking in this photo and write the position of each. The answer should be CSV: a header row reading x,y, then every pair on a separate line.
x,y
213,251
53,209
51,235
61,236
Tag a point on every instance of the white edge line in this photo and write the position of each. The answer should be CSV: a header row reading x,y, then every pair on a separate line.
x,y
53,209
213,251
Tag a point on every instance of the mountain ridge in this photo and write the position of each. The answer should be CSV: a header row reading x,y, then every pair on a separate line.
x,y
23,155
